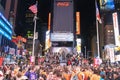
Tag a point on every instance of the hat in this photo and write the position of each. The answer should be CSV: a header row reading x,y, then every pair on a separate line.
x,y
1,75
116,73
24,77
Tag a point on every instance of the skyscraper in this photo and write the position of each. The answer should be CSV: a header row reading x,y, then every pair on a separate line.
x,y
10,10
117,4
7,21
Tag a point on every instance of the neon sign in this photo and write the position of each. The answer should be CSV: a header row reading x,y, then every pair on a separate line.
x,y
5,27
5,20
63,4
5,34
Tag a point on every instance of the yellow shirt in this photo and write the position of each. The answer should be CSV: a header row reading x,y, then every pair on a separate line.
x,y
67,76
81,76
95,77
86,73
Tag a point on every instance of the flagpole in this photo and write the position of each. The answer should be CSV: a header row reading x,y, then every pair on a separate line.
x,y
35,21
97,30
98,49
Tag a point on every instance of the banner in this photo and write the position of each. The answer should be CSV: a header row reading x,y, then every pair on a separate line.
x,y
1,61
97,62
78,40
77,22
32,59
47,40
116,28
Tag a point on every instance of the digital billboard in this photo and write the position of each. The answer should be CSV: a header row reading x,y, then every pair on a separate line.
x,y
62,37
47,40
5,27
61,49
116,28
78,23
63,19
107,5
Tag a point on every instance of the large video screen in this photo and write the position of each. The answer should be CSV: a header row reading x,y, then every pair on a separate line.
x,y
63,20
61,49
61,44
62,37
107,5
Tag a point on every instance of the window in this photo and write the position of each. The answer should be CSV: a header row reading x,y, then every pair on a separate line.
x,y
3,3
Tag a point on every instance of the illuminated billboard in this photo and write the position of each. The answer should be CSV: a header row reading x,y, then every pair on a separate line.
x,y
77,22
5,27
62,37
63,19
107,5
78,46
47,40
116,28
61,49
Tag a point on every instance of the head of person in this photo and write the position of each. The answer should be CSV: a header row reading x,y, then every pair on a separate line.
x,y
115,75
24,78
41,78
96,71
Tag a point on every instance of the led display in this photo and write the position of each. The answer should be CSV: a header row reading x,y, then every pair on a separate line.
x,y
63,16
107,5
62,37
5,20
5,34
4,26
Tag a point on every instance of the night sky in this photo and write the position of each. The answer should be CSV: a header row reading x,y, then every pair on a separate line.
x,y
87,12
85,7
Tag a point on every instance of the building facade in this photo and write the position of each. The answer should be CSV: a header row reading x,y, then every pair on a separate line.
x,y
6,27
10,11
62,25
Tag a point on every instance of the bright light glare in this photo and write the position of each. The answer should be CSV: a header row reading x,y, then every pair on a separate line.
x,y
5,20
5,34
6,27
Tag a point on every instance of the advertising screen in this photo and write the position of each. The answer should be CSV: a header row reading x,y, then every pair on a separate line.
x,y
61,49
63,16
62,44
107,5
5,27
62,37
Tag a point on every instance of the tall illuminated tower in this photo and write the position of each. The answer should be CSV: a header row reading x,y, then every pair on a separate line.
x,y
63,25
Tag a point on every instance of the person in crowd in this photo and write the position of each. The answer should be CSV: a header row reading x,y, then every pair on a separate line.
x,y
66,73
95,75
52,70
116,76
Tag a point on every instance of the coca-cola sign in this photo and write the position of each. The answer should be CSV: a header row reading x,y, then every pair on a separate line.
x,y
62,4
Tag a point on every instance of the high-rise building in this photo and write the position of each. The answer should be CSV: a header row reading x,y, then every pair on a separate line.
x,y
25,24
109,35
63,26
10,10
2,6
7,20
117,4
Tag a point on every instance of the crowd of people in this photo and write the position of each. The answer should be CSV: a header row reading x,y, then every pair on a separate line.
x,y
51,68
